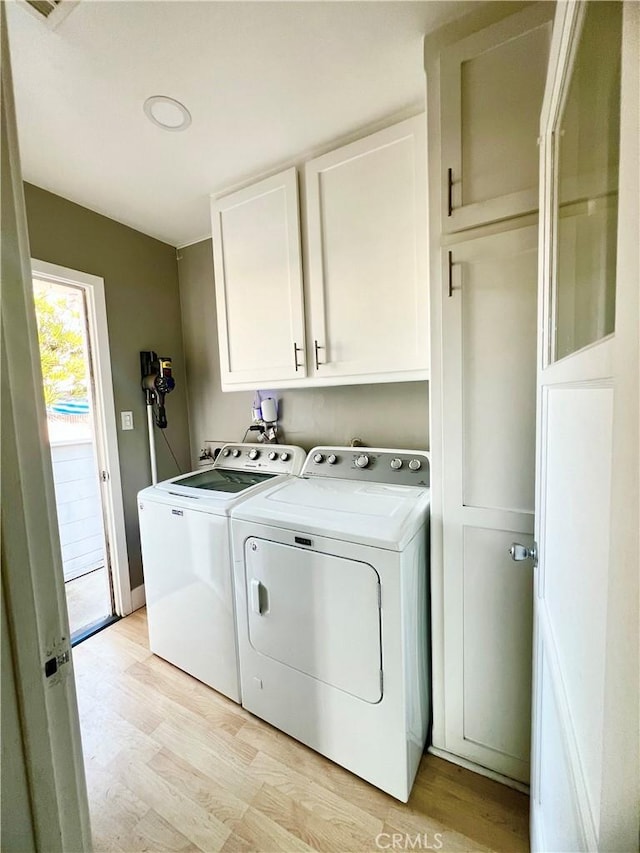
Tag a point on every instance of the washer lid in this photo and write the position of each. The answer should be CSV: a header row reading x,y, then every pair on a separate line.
x,y
376,514
207,491
215,480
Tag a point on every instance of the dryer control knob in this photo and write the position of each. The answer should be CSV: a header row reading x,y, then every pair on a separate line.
x,y
284,456
318,458
332,459
362,461
396,464
273,456
235,452
415,465
226,452
253,454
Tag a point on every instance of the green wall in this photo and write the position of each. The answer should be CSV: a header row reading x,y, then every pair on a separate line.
x,y
143,313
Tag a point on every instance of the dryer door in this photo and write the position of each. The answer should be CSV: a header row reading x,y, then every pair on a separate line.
x,y
316,613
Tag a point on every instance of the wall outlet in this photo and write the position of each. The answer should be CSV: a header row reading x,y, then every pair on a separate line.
x,y
126,420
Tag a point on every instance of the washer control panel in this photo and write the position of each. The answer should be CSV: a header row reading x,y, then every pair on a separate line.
x,y
270,458
369,464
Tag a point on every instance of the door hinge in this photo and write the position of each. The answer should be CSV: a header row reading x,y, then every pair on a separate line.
x,y
104,476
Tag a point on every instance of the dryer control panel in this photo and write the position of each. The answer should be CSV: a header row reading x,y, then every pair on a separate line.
x,y
370,465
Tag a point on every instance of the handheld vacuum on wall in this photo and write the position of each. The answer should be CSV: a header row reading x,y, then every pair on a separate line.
x,y
157,382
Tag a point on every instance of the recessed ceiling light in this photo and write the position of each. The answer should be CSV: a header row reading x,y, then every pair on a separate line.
x,y
167,113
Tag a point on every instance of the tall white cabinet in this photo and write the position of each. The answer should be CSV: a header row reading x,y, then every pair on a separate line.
x,y
485,82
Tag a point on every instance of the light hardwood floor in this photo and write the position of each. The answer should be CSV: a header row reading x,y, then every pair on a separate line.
x,y
173,765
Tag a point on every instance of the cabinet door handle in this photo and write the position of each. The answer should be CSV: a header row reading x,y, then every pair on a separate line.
x,y
316,347
450,265
449,192
296,350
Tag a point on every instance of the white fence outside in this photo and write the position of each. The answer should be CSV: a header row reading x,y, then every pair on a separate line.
x,y
78,502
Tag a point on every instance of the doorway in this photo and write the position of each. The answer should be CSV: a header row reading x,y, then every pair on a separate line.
x,y
73,342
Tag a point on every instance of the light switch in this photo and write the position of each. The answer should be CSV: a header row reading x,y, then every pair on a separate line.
x,y
126,419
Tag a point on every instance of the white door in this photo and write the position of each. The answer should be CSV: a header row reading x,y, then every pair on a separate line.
x,y
585,718
44,794
258,278
368,283
489,310
316,613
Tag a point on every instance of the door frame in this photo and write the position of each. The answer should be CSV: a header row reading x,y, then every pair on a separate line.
x,y
105,427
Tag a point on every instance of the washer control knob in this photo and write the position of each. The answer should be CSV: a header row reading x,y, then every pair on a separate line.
x,y
415,465
235,452
226,452
396,464
318,458
284,457
362,461
332,459
273,456
253,454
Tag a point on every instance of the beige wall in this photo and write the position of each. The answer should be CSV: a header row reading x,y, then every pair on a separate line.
x,y
143,313
387,414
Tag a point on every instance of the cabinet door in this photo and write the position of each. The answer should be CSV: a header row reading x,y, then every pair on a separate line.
x,y
489,364
492,84
258,276
366,215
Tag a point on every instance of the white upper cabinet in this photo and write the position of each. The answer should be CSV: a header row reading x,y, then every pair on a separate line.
x,y
367,257
489,119
258,279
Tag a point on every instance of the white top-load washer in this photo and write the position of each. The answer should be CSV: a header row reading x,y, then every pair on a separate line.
x,y
186,553
331,577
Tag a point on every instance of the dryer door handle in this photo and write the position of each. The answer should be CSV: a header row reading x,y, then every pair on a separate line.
x,y
255,594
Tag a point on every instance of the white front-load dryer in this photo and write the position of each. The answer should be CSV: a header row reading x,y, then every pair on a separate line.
x,y
331,575
186,554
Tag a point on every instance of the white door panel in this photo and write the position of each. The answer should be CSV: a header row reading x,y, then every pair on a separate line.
x,y
258,278
489,336
491,89
497,605
368,285
328,605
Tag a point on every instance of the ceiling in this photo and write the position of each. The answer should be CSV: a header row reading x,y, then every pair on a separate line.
x,y
266,82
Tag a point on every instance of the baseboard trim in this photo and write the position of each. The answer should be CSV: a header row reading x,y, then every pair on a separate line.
x,y
138,598
477,768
